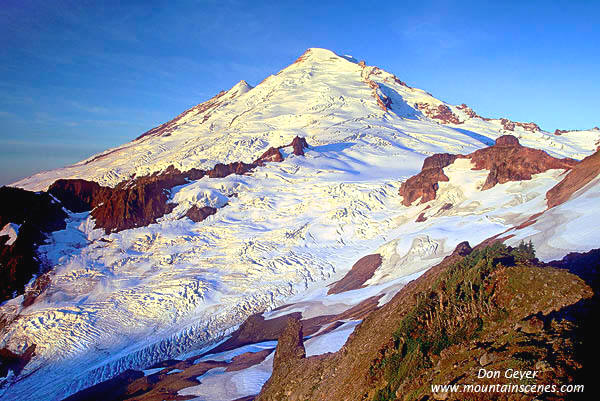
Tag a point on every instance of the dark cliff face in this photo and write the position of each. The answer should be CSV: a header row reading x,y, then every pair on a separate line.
x,y
77,195
37,214
15,362
507,161
136,203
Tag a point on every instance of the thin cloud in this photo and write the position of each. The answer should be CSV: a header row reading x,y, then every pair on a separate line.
x,y
89,109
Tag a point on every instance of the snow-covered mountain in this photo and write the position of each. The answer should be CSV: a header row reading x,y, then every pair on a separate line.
x,y
131,298
326,98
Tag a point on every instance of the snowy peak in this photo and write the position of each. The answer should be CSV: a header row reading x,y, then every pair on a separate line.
x,y
238,89
201,109
318,55
328,99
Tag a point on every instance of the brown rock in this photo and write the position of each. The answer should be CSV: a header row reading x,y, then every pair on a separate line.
x,y
361,369
256,329
290,347
360,272
463,249
441,112
510,125
221,170
13,361
507,124
142,200
508,161
38,214
580,175
425,184
299,144
197,214
271,155
76,195
467,110
446,206
530,326
507,140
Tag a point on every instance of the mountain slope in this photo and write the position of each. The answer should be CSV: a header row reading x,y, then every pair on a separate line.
x,y
153,291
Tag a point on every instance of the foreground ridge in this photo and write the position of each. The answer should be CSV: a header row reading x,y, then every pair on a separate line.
x,y
494,307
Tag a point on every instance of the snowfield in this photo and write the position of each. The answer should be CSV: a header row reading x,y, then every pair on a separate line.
x,y
133,298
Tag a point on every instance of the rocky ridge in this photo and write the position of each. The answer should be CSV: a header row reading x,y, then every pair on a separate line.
x,y
142,200
507,160
36,215
494,306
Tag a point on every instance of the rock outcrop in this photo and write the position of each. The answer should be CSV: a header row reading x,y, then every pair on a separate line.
x,y
580,175
256,329
441,113
36,214
298,144
462,249
360,272
383,101
425,184
507,160
468,111
198,214
290,346
9,361
142,200
75,194
509,125
271,155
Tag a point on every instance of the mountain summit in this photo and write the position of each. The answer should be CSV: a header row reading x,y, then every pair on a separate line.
x,y
321,96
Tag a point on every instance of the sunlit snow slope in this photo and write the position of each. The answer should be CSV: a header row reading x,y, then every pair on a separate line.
x,y
129,299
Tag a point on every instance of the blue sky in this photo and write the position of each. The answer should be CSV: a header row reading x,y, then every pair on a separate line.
x,y
77,77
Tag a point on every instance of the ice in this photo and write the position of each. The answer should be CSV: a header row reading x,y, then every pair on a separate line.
x,y
569,227
330,342
148,372
229,355
218,385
